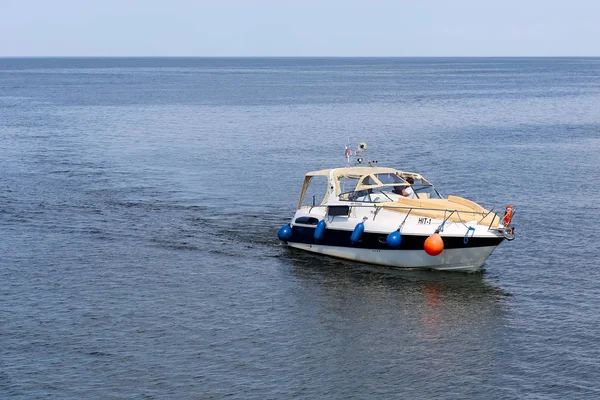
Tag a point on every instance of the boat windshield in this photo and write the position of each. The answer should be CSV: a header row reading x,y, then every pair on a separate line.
x,y
348,183
425,190
384,187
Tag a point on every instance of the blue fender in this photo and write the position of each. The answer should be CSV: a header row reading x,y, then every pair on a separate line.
x,y
320,231
394,239
358,230
285,233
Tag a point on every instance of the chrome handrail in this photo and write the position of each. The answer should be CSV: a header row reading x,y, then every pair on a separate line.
x,y
379,205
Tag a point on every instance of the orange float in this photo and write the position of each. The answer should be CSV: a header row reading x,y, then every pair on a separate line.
x,y
508,214
434,244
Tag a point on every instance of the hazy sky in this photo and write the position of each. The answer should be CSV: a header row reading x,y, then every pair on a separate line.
x,y
299,28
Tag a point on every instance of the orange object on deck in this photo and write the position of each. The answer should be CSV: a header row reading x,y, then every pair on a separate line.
x,y
508,214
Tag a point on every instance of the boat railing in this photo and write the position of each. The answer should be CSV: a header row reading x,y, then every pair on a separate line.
x,y
409,209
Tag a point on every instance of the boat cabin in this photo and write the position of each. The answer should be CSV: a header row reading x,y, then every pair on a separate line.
x,y
380,186
363,184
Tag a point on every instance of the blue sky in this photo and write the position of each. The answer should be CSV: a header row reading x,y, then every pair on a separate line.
x,y
299,28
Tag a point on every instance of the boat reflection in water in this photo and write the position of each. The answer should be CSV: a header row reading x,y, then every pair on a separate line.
x,y
427,320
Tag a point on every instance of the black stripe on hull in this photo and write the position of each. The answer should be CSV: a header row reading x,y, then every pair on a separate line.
x,y
340,238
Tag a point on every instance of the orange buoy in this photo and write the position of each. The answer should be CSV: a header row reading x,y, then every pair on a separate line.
x,y
508,214
434,244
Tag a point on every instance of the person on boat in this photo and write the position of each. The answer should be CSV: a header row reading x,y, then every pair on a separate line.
x,y
407,191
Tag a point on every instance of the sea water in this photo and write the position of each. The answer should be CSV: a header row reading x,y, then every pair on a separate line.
x,y
140,201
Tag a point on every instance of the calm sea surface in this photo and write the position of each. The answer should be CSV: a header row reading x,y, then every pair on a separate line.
x,y
140,200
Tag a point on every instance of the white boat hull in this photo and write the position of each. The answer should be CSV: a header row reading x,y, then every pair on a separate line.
x,y
462,259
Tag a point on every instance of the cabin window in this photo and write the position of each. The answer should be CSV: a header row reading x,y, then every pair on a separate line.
x,y
389,178
316,191
348,183
348,189
334,211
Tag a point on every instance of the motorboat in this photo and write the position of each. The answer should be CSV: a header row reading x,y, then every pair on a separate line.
x,y
379,215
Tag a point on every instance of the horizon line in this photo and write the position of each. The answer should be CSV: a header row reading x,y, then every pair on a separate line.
x,y
304,56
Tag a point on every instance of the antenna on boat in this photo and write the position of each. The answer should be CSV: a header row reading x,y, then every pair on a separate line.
x,y
347,152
